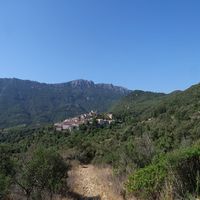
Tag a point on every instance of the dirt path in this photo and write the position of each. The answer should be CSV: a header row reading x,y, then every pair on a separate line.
x,y
93,183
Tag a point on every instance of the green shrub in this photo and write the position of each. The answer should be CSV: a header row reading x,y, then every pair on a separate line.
x,y
7,171
5,182
44,171
147,182
179,170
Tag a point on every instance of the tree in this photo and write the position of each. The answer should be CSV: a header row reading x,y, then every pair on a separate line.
x,y
6,171
44,172
5,182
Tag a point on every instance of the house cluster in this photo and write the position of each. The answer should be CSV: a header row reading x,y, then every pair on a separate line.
x,y
75,122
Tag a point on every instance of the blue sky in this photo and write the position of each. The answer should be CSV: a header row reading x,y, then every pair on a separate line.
x,y
140,44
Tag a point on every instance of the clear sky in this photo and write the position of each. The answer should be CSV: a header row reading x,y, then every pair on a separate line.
x,y
140,44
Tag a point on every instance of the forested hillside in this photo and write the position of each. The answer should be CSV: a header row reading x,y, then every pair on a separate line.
x,y
153,147
27,102
135,103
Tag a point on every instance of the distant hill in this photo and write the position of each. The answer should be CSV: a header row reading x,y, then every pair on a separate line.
x,y
178,104
155,142
170,120
28,102
136,102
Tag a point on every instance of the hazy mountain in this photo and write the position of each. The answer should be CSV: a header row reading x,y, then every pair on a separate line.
x,y
29,102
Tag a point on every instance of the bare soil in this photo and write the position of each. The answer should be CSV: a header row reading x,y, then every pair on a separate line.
x,y
93,183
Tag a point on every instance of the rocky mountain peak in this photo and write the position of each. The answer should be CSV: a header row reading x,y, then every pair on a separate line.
x,y
81,83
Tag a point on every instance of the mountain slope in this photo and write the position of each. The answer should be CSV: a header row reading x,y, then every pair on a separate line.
x,y
169,121
28,102
159,133
135,103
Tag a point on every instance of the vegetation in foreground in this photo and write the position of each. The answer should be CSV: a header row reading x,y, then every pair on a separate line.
x,y
154,150
37,175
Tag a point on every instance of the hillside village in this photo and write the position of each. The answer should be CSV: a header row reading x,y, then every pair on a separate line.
x,y
74,123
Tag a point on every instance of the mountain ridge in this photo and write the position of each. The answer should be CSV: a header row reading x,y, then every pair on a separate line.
x,y
32,102
75,82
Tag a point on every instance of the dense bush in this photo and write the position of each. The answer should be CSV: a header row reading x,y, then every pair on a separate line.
x,y
5,182
7,171
175,174
43,172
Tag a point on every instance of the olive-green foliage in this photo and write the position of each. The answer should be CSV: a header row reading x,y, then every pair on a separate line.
x,y
45,170
7,171
135,103
181,166
5,182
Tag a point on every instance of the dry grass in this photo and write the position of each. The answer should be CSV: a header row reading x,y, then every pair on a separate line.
x,y
91,181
